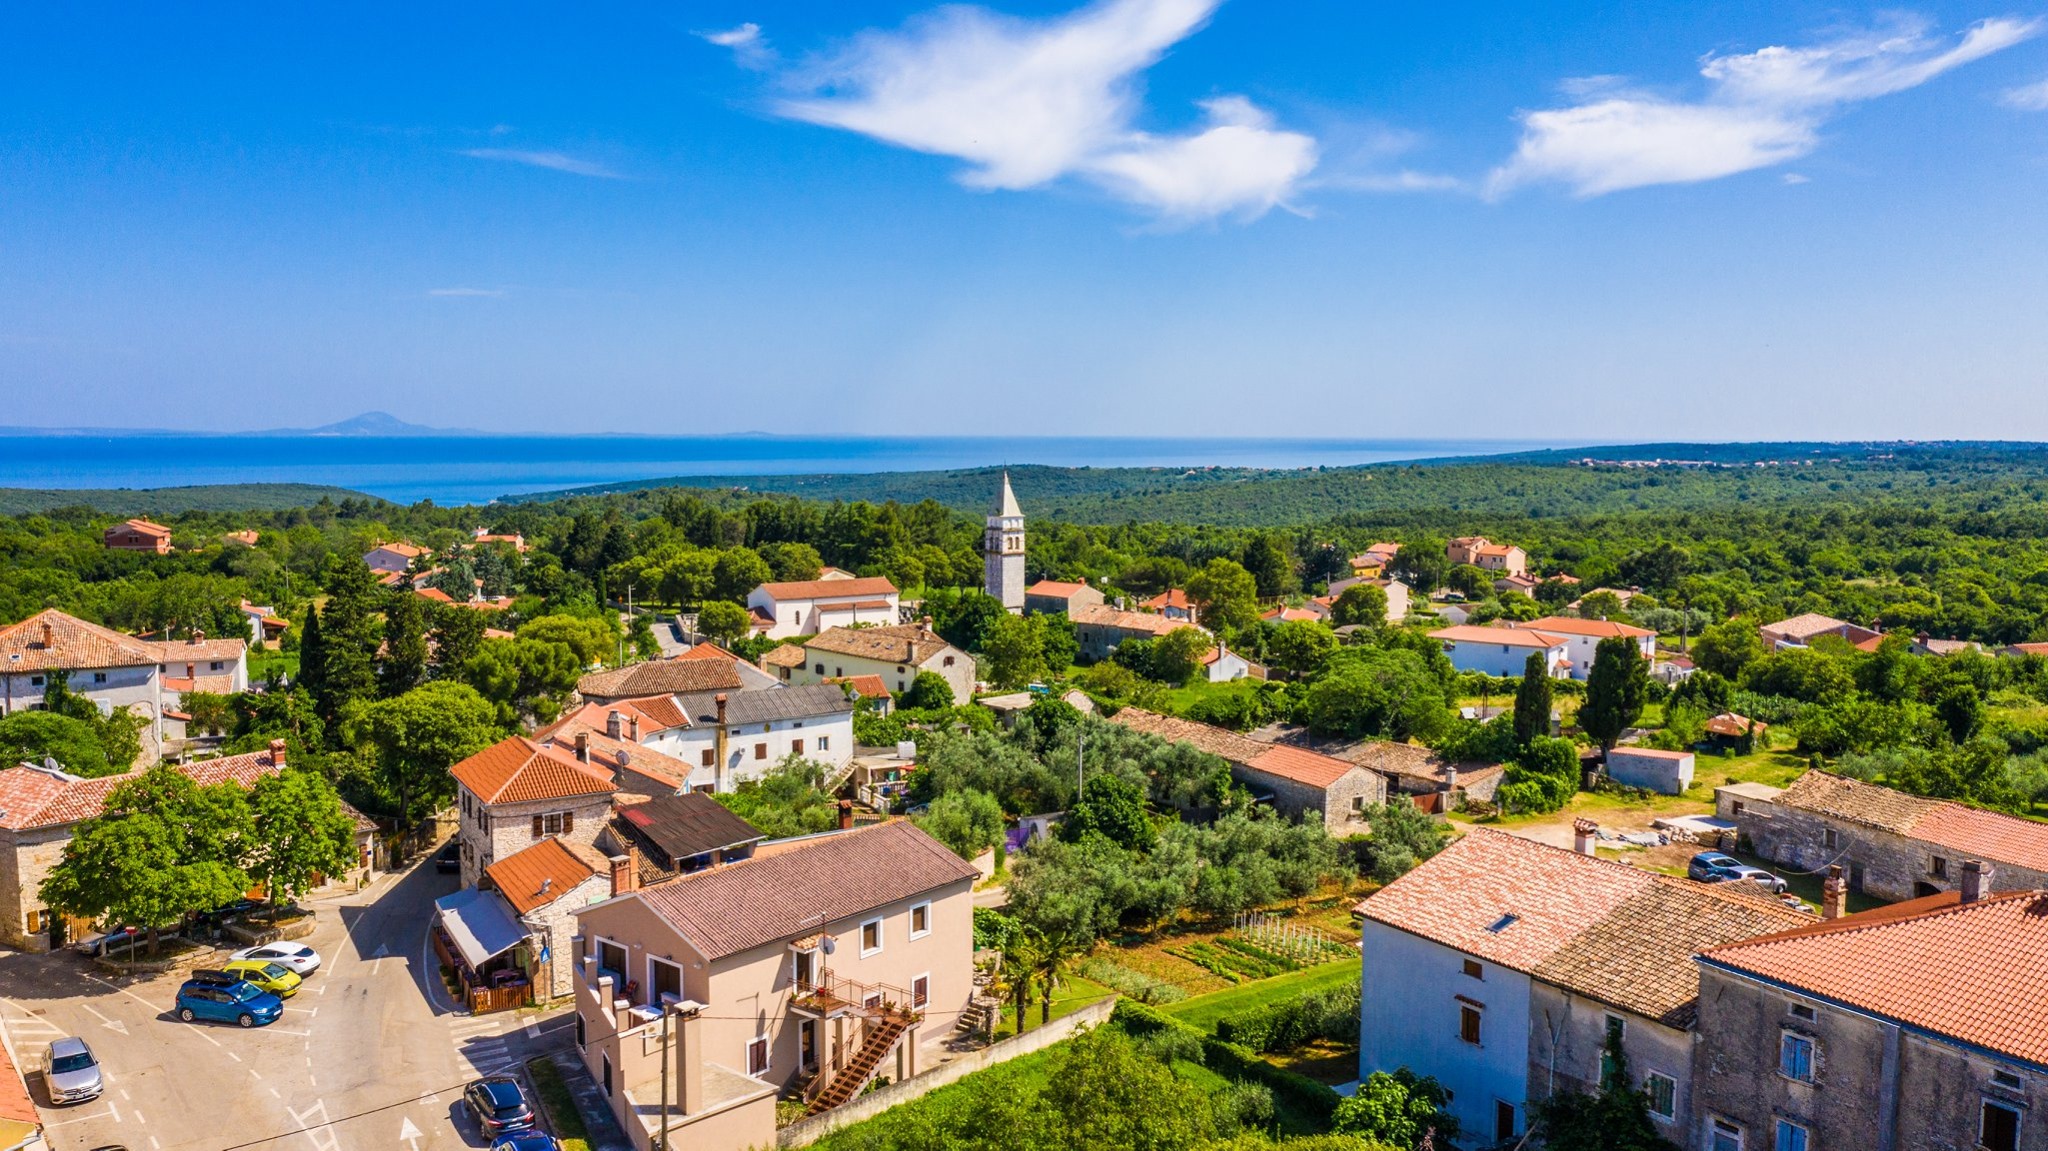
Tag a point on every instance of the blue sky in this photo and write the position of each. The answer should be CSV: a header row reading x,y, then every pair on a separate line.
x,y
1583,221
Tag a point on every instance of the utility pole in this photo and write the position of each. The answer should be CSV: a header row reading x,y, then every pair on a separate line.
x,y
665,1016
1080,760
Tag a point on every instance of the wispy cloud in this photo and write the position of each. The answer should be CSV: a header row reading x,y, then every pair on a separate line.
x,y
2032,97
1026,103
460,293
1761,108
553,161
749,48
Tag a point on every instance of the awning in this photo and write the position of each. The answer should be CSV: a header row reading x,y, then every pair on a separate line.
x,y
481,923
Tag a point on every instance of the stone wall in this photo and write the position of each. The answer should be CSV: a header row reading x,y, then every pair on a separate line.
x,y
810,1130
1880,863
26,858
1340,815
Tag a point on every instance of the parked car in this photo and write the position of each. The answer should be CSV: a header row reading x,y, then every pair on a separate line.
x,y
295,958
1742,872
448,860
1711,866
244,1004
531,1139
225,912
498,1105
275,978
121,939
70,1073
207,977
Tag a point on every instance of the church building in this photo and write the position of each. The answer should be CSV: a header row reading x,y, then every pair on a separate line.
x,y
1003,551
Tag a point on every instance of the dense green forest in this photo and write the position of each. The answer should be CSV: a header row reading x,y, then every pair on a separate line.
x,y
170,501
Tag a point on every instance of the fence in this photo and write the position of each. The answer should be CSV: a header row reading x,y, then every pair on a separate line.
x,y
806,1131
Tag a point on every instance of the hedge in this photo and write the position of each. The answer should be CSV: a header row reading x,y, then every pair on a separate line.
x,y
1289,1023
1311,1102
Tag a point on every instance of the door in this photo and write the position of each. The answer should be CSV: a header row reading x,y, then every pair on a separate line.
x,y
807,1037
57,932
665,979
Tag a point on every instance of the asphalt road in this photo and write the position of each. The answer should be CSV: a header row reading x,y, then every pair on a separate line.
x,y
369,1056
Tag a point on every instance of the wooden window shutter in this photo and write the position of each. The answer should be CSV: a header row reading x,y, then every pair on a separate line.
x,y
536,827
568,822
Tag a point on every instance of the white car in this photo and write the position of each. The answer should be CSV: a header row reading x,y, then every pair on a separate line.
x,y
300,961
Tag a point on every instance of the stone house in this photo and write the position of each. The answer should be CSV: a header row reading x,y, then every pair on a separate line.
x,y
807,607
545,885
1802,630
1437,785
1099,629
1058,597
661,677
896,654
1498,965
39,811
1892,845
810,967
1295,780
1917,1025
517,792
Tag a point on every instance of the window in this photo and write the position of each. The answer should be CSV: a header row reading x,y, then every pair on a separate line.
x,y
1617,1026
1468,1024
1473,969
948,663
757,1055
1828,840
710,758
796,747
2008,1080
215,667
35,681
920,921
1503,1120
99,677
1357,804
1663,1092
1802,1011
870,937
1726,1136
760,751
35,921
1795,1057
1736,807
804,972
1938,867
820,669
1999,1127
838,671
902,671
606,1078
920,991
581,1037
663,979
824,743
785,673
1791,1136
554,823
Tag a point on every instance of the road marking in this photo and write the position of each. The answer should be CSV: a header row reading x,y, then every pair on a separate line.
x,y
274,1094
256,1073
378,957
138,1117
124,1093
407,1133
274,1029
234,1057
109,1024
309,1011
82,1118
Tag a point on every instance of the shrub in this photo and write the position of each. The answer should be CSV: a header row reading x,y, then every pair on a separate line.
x,y
1289,1023
1136,984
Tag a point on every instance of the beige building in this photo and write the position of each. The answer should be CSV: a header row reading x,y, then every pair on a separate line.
x,y
146,677
807,607
809,968
1481,552
138,536
545,885
39,811
1057,597
1098,628
687,673
393,558
896,654
516,793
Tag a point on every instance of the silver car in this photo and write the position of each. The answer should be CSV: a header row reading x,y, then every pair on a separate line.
x,y
70,1072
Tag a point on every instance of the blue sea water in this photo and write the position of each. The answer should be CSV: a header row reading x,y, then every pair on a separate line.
x,y
471,469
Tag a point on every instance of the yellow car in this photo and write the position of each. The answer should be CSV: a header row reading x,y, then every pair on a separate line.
x,y
279,981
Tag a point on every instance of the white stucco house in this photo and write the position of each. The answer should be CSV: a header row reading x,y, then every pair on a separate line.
x,y
715,741
807,607
1583,636
896,654
1502,650
146,677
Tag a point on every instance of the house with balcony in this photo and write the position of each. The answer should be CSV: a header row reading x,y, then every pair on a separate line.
x,y
714,741
803,970
1480,552
145,677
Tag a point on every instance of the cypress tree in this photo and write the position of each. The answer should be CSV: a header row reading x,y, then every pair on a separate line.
x,y
1532,700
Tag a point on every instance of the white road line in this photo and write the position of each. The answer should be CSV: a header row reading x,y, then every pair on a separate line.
x,y
138,1118
305,1010
274,1029
258,1074
83,1118
533,1029
234,1057
274,1094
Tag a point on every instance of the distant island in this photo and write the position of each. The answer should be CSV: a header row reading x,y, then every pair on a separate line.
x,y
368,424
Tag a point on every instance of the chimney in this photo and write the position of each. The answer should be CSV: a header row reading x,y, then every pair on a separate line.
x,y
719,699
547,884
49,636
1976,880
633,722
1834,894
721,749
846,815
277,753
583,746
614,724
1451,780
1585,833
626,871
689,1061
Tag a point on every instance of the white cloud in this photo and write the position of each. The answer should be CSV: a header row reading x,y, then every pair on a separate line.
x,y
1796,178
462,293
2032,97
1029,102
553,161
1762,108
749,48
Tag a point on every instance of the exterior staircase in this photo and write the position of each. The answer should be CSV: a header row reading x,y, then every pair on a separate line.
x,y
882,1036
979,1018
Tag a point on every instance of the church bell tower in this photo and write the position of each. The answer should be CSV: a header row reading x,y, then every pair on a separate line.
x,y
1002,547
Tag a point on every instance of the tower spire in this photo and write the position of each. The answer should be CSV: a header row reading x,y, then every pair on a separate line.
x,y
1002,549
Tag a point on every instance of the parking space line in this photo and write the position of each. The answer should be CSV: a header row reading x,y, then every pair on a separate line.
x,y
234,1057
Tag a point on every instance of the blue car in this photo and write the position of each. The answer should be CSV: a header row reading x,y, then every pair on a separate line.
x,y
528,1140
244,1003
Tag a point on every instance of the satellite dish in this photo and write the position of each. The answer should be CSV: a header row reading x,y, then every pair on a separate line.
x,y
829,944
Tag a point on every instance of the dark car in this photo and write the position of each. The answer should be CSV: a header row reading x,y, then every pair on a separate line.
x,y
527,1140
121,940
448,860
206,977
1711,866
226,912
498,1105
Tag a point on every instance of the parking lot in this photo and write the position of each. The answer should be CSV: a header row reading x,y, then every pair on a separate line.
x,y
369,1054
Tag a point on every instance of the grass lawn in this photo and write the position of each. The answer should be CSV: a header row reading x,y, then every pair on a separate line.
x,y
1204,1010
261,663
1077,993
1179,699
1325,1062
563,1115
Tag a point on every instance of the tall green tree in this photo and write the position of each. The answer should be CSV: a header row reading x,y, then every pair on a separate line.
x,y
969,822
1226,597
1112,806
299,830
1272,566
522,678
1399,1108
413,739
1533,701
1361,603
724,622
1616,688
1300,647
32,736
349,637
404,664
1013,651
457,633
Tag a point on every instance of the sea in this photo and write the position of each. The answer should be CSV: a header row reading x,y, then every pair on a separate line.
x,y
476,469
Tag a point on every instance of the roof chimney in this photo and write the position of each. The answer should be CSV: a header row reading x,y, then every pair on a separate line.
x,y
1834,894
1585,833
626,871
1976,880
197,636
277,753
583,746
1451,781
633,723
614,724
719,699
49,636
846,815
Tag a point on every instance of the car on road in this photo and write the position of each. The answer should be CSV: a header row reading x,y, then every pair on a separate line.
x,y
275,978
70,1073
244,1004
295,958
531,1139
448,860
498,1105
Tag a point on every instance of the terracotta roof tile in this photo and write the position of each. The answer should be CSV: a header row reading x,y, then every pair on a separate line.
x,y
780,895
660,677
1506,636
1103,615
1205,737
1988,835
33,798
828,588
533,877
1571,625
1055,589
1842,798
51,640
864,686
1170,598
517,769
1976,973
1301,765
788,655
907,643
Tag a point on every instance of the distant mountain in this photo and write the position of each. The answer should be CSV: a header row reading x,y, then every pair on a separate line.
x,y
368,424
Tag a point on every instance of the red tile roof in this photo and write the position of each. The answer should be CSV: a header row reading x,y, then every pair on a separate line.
x,y
51,640
144,527
1055,589
907,643
434,593
1505,636
828,588
1171,597
33,798
517,769
536,876
1976,973
865,686
660,677
1572,625
1102,615
1206,737
1301,765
